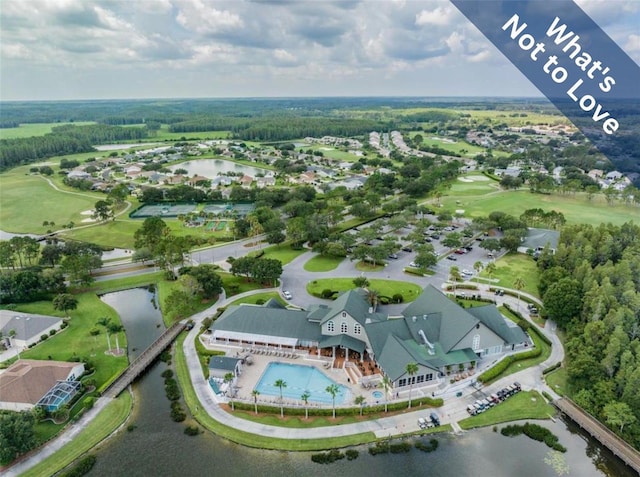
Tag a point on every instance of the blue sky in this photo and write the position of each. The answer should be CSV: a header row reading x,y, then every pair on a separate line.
x,y
85,49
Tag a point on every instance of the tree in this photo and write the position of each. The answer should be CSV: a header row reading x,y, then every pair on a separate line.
x,y
386,385
281,383
118,195
102,211
228,379
114,329
255,393
563,301
65,302
425,256
490,269
209,281
360,401
266,270
412,369
477,266
373,298
178,303
453,240
105,321
455,276
50,255
361,282
619,414
333,390
519,284
491,245
151,234
305,398
17,434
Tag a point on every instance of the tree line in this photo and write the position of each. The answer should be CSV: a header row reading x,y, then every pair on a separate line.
x,y
591,289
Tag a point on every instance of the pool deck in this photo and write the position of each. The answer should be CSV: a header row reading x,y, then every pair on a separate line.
x,y
251,374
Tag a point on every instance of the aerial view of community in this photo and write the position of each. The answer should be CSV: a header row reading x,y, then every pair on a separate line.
x,y
293,238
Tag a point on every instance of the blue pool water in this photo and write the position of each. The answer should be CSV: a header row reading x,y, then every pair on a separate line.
x,y
299,378
377,394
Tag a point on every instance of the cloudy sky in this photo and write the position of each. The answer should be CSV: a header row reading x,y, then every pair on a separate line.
x,y
98,49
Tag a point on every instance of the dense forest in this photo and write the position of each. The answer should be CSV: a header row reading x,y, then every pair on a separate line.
x,y
591,288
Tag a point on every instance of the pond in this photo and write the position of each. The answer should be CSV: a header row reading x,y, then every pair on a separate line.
x,y
213,167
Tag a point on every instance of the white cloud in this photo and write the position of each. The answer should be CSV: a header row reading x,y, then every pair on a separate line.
x,y
440,16
195,15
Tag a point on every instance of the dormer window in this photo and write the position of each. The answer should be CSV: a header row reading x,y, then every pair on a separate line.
x,y
357,329
344,314
330,326
343,327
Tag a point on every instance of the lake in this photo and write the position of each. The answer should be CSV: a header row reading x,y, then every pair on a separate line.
x,y
213,167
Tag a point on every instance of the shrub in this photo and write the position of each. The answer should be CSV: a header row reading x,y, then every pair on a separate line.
x,y
535,432
43,337
81,468
177,413
547,396
352,454
52,332
379,448
260,301
327,293
131,427
552,368
400,447
167,373
327,457
88,402
397,298
428,447
192,430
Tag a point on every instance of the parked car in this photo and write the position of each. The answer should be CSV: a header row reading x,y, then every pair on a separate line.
x,y
407,249
499,292
413,265
452,258
287,294
422,423
460,251
468,248
435,419
467,272
393,256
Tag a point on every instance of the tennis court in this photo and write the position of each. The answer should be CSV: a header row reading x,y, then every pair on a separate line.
x,y
162,210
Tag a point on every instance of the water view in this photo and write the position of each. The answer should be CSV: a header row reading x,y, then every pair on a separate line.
x,y
158,446
213,167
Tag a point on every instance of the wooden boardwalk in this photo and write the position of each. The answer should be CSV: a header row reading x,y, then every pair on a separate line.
x,y
143,361
620,448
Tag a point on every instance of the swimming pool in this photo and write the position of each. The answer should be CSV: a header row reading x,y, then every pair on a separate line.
x,y
299,378
377,394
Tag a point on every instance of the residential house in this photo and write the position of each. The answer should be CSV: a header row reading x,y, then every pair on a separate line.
x,y
24,329
538,239
49,384
265,181
246,181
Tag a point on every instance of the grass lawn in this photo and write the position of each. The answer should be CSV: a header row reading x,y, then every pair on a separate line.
x,y
576,209
75,340
283,252
514,265
459,147
34,129
461,188
557,380
28,201
252,440
365,266
253,299
116,233
234,285
111,417
524,405
322,263
409,291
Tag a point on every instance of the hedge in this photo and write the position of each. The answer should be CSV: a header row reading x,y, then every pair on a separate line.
x,y
551,368
340,411
81,468
535,329
506,362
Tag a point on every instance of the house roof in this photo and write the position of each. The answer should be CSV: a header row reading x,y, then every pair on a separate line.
x,y
27,380
224,363
26,325
493,319
344,341
539,238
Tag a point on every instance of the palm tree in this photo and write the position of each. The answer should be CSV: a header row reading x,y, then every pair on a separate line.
x,y
305,397
490,269
519,284
333,390
386,385
105,321
412,369
360,400
281,383
373,297
228,378
115,328
454,276
477,266
255,393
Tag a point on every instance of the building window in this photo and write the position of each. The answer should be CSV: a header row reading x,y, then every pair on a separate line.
x,y
344,314
357,329
428,377
343,327
330,327
421,378
476,342
402,382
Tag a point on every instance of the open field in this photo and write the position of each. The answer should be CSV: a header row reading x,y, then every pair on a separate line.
x,y
322,263
510,118
576,209
524,405
33,129
165,135
409,291
75,340
511,266
27,201
333,153
450,144
282,252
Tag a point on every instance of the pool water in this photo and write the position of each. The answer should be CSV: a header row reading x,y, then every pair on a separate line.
x,y
299,378
377,394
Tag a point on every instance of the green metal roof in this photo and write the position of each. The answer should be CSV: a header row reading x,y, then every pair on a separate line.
x,y
344,341
491,317
539,238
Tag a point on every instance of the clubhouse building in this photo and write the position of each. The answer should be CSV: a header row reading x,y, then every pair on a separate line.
x,y
433,332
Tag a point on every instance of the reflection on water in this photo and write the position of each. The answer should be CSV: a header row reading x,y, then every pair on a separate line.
x,y
213,167
159,447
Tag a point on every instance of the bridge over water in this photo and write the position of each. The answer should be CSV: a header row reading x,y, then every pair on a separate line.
x,y
620,448
142,362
